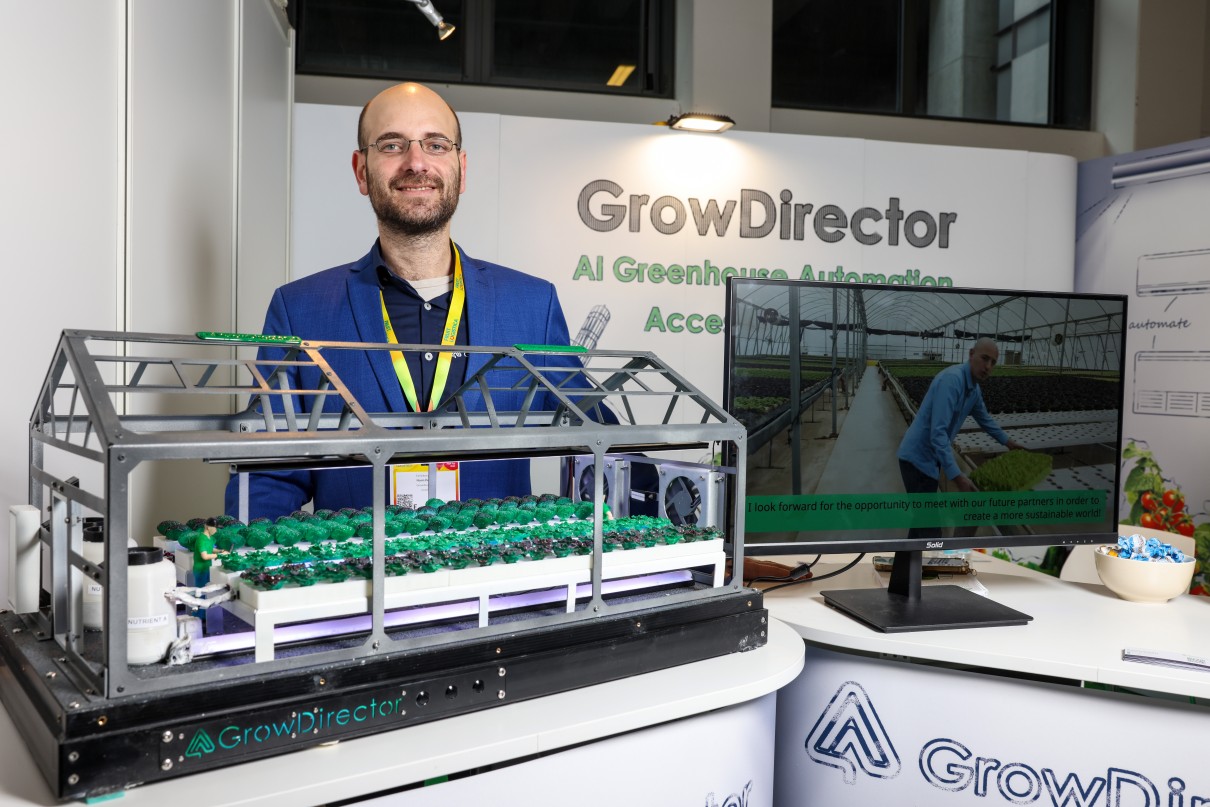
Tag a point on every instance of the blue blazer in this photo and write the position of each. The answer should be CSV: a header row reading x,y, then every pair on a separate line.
x,y
504,307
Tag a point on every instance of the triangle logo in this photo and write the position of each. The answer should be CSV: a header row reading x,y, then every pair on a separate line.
x,y
200,745
849,735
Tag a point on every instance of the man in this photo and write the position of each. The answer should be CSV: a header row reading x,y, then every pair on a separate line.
x,y
411,165
926,450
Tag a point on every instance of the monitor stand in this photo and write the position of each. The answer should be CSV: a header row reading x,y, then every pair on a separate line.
x,y
906,605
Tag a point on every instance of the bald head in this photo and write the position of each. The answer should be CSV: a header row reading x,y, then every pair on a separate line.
x,y
408,100
985,343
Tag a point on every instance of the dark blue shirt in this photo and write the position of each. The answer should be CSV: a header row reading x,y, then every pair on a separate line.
x,y
417,322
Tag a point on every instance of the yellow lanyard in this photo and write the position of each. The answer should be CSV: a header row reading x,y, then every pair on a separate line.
x,y
448,336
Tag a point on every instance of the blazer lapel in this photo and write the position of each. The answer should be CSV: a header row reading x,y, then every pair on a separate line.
x,y
481,327
366,302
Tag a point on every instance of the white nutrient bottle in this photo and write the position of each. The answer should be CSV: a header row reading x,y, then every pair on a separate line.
x,y
150,615
94,592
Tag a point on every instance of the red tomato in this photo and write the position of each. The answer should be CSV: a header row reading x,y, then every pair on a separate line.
x,y
1149,521
1174,501
1185,528
1149,500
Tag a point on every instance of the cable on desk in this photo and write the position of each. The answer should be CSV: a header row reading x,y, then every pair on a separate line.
x,y
792,576
839,571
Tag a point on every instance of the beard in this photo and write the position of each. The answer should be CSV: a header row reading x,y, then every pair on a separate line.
x,y
411,218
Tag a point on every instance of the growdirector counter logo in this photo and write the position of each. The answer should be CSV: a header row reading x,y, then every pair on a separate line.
x,y
850,735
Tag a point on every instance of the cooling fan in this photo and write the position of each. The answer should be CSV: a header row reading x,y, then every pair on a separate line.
x,y
615,482
687,494
681,502
690,494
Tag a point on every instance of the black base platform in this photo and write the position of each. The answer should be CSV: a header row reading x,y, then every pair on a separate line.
x,y
88,745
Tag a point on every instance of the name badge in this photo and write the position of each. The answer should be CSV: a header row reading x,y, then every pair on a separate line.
x,y
413,485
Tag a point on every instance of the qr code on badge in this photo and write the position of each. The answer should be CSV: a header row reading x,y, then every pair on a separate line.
x,y
405,500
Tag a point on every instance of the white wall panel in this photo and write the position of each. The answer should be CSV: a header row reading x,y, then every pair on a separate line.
x,y
1050,201
266,79
182,164
118,206
181,213
60,199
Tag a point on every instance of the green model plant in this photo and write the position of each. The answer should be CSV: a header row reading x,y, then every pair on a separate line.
x,y
328,546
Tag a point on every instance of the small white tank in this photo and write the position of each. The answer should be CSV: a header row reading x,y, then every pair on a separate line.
x,y
150,616
94,593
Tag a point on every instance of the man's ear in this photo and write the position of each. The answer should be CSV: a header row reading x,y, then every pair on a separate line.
x,y
359,172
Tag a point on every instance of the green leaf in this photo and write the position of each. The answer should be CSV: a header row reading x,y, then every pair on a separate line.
x,y
1136,510
1137,481
1202,546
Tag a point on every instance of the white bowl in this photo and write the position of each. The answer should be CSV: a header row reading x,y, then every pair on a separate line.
x,y
1143,580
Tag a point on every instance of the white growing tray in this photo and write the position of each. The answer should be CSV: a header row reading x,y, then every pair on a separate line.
x,y
265,610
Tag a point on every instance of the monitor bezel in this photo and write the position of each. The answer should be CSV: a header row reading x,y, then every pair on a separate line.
x,y
754,547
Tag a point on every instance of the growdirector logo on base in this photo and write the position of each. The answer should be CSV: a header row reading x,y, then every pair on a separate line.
x,y
849,735
348,715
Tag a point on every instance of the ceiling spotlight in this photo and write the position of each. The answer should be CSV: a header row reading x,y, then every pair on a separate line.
x,y
700,122
444,29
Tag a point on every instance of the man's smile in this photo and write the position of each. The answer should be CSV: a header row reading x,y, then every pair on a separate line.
x,y
426,187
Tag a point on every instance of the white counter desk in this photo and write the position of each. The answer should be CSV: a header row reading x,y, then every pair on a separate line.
x,y
627,711
1046,713
1078,629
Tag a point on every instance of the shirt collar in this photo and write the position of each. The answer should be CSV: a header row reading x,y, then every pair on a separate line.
x,y
389,280
968,377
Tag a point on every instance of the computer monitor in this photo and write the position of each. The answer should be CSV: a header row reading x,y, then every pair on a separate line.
x,y
904,419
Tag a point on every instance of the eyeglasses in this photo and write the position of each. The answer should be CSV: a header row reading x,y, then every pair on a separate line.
x,y
434,146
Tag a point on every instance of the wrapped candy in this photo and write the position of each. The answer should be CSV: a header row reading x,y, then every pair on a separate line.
x,y
1136,547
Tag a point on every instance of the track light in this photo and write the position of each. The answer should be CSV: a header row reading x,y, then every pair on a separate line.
x,y
444,29
1174,165
700,122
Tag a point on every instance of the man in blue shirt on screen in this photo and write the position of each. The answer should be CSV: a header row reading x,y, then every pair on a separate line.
x,y
926,451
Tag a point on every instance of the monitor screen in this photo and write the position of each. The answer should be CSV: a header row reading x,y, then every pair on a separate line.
x,y
912,418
